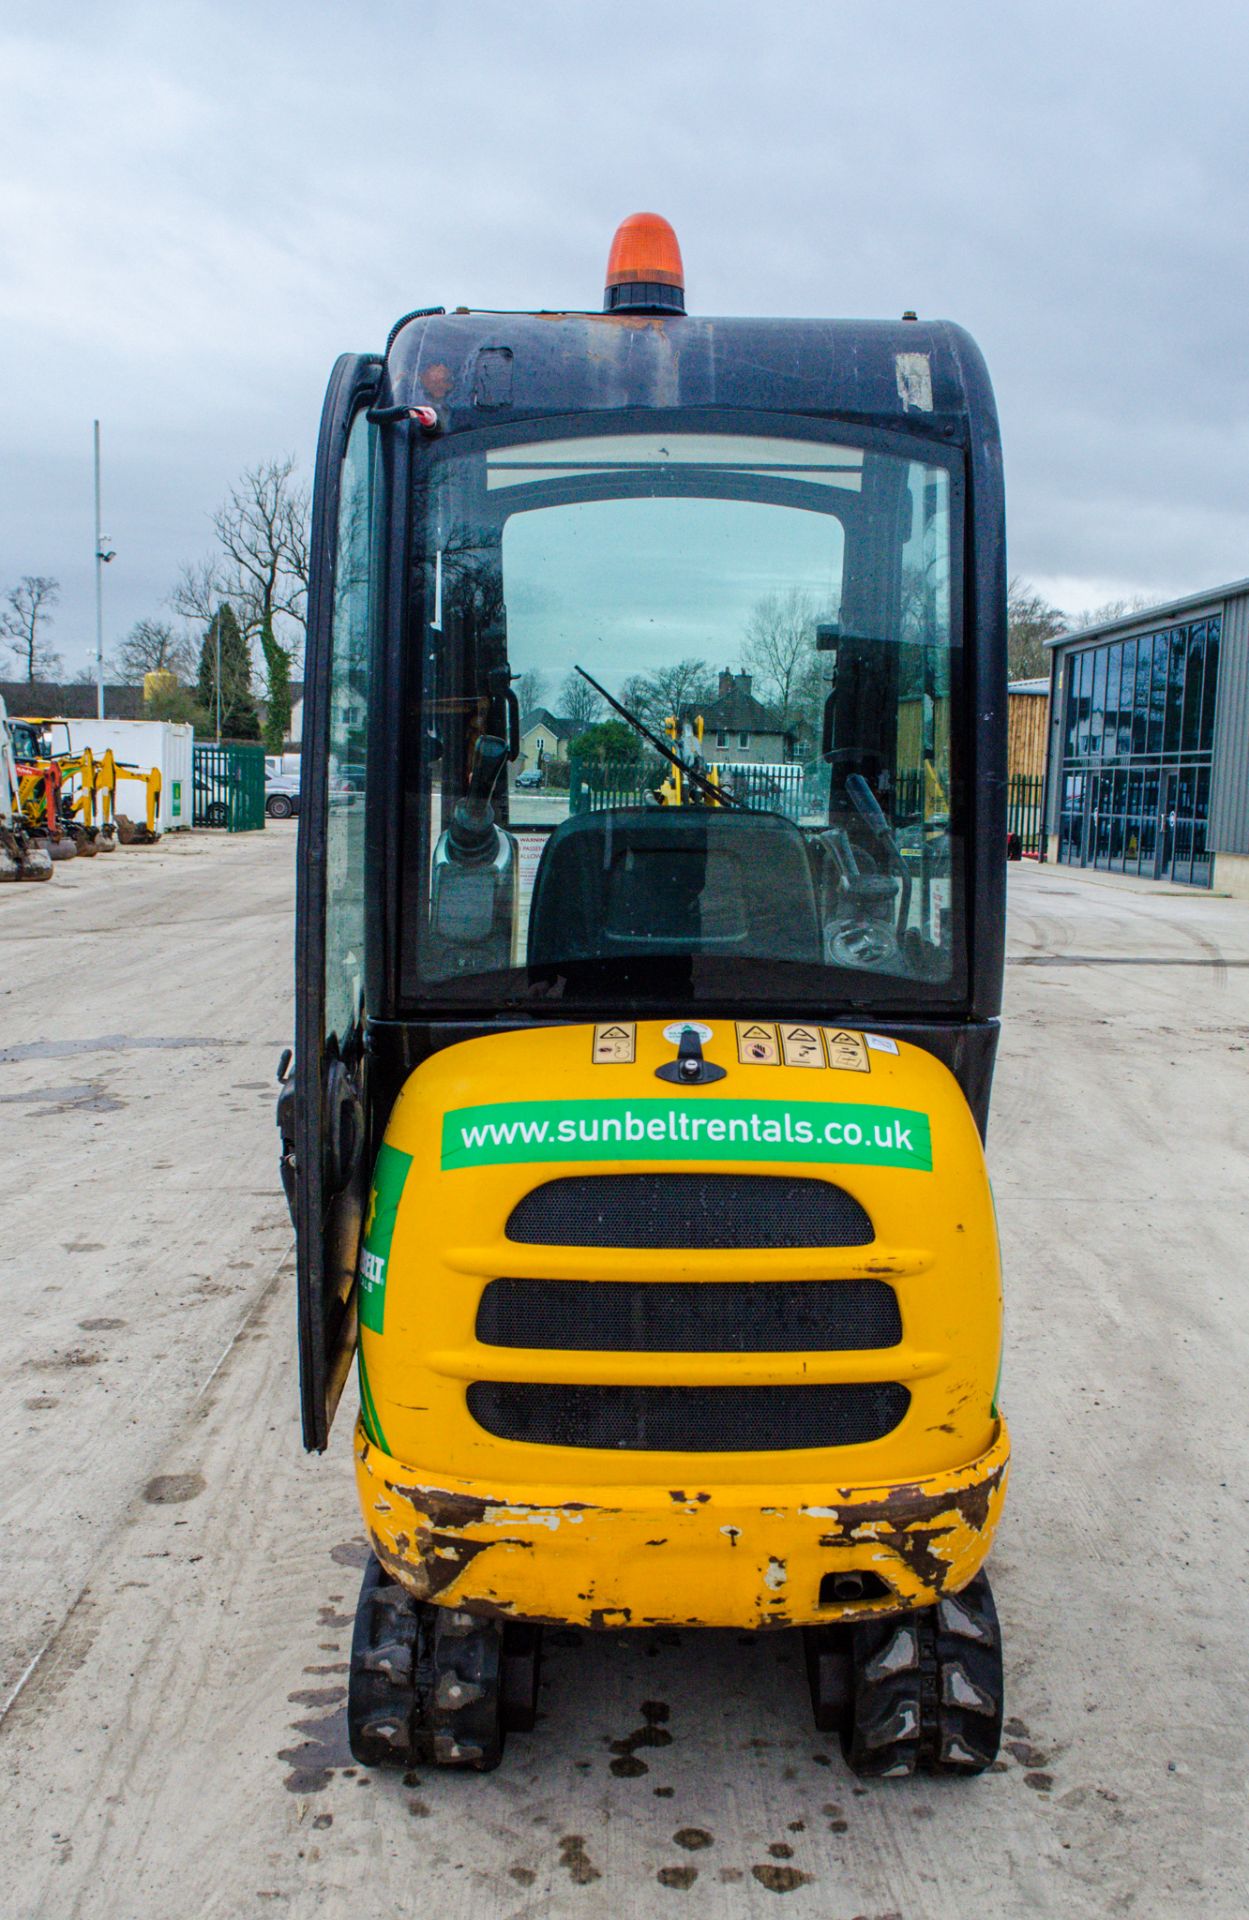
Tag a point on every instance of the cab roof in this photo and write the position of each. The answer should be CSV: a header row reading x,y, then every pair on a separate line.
x,y
487,369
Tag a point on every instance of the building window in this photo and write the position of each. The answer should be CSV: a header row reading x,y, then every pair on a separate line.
x,y
743,739
722,738
1137,740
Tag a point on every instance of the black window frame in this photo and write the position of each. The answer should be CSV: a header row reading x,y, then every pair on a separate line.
x,y
887,996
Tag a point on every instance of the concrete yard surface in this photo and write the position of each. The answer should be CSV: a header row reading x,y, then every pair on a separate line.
x,y
178,1580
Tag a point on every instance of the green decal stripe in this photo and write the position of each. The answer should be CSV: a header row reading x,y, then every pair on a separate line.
x,y
832,1132
368,1411
389,1176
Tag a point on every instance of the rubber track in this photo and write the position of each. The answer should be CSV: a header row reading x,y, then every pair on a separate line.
x,y
927,1689
425,1685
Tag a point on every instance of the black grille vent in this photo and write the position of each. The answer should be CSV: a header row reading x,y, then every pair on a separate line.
x,y
689,1210
710,1316
688,1419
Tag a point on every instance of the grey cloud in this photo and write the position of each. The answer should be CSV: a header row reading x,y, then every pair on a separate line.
x,y
202,205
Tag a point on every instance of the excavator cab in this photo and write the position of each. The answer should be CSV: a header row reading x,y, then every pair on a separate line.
x,y
648,969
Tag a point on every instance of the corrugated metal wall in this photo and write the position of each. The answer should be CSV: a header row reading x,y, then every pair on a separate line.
x,y
1229,779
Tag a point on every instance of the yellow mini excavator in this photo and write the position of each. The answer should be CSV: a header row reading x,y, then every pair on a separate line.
x,y
634,1137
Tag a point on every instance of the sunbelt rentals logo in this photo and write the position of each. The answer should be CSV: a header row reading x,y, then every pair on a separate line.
x,y
849,1133
389,1176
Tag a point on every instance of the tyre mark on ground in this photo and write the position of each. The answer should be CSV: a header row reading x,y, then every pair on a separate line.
x,y
67,1646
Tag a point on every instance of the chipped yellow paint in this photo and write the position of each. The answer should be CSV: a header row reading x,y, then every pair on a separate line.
x,y
583,1534
677,1555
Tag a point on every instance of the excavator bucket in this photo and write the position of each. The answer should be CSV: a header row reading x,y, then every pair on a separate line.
x,y
134,833
23,855
130,832
36,859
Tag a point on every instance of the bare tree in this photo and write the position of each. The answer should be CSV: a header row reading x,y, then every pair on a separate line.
x,y
198,592
152,646
22,622
529,688
261,571
1101,616
779,650
472,582
578,702
1031,621
262,527
671,689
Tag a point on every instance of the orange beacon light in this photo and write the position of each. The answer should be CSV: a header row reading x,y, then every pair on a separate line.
x,y
644,269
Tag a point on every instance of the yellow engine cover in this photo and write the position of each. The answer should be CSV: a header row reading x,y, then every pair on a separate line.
x,y
745,1533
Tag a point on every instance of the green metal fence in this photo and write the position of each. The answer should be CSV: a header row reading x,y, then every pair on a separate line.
x,y
1024,804
229,784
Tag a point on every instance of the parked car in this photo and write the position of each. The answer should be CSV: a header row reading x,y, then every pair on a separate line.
x,y
281,795
212,795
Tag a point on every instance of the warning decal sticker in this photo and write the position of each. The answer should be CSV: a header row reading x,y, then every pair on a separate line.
x,y
615,1044
801,1047
757,1044
846,1050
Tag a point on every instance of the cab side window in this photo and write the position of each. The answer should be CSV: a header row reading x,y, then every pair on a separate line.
x,y
348,735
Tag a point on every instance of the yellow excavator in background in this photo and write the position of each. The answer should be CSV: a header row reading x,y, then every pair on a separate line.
x,y
74,794
136,833
88,790
24,853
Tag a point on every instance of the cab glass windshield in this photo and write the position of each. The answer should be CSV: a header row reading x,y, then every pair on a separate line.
x,y
681,717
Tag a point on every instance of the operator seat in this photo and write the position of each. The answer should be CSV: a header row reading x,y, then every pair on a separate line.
x,y
634,881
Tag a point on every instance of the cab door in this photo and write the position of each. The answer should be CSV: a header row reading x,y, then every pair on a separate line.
x,y
330,1174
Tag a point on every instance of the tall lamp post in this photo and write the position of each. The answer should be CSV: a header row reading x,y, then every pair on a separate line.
x,y
101,561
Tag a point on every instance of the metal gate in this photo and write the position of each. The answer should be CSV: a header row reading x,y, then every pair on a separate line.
x,y
229,786
595,783
1025,792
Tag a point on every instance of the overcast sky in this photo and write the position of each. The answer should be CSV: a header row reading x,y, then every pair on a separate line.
x,y
201,205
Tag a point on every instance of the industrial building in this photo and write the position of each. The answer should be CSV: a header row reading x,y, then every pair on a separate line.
x,y
1148,761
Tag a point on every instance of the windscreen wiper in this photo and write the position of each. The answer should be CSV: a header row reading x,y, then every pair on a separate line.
x,y
719,795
